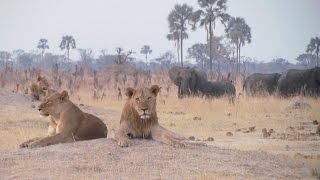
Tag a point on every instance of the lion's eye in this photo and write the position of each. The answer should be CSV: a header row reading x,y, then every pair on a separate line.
x,y
149,98
137,99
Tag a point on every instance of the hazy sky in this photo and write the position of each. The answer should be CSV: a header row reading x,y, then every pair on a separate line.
x,y
280,28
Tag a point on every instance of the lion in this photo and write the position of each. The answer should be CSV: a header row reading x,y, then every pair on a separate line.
x,y
139,119
67,122
40,89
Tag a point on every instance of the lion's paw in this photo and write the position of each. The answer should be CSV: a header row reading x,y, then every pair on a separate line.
x,y
125,142
178,144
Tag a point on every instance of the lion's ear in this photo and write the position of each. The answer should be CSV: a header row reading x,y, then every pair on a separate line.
x,y
155,89
64,95
39,78
129,92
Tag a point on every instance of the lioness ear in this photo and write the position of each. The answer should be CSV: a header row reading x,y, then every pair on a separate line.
x,y
39,78
155,89
129,92
64,95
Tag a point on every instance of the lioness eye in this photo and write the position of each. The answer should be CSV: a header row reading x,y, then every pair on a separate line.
x,y
149,98
137,99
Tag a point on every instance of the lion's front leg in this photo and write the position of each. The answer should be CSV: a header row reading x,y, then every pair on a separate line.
x,y
121,135
26,143
50,140
163,135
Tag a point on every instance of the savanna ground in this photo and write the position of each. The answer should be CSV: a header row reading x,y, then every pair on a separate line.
x,y
291,152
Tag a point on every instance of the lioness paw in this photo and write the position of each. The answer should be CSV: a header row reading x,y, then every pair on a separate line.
x,y
24,145
125,143
178,144
35,145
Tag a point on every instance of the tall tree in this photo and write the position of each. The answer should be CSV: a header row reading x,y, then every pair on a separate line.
x,y
86,57
146,50
174,36
199,52
43,45
307,60
314,47
68,42
239,33
211,12
178,20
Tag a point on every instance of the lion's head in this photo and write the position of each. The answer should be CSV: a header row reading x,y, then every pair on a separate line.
x,y
42,83
143,101
53,103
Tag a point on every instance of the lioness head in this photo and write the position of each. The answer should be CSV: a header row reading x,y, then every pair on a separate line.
x,y
143,100
42,83
51,103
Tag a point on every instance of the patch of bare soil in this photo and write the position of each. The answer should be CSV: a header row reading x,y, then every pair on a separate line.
x,y
146,159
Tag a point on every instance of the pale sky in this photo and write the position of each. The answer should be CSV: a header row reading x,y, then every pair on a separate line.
x,y
280,28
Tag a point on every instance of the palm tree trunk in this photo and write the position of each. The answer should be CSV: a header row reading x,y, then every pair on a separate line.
x,y
181,48
210,45
239,56
318,57
178,49
237,48
68,56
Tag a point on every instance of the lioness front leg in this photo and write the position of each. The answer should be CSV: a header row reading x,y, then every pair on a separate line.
x,y
26,143
50,140
121,135
163,135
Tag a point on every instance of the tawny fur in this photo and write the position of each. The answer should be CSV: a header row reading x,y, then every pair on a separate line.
x,y
40,89
139,119
67,122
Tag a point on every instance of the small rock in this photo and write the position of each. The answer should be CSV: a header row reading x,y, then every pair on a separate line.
x,y
192,138
291,128
252,128
267,115
271,131
196,118
172,125
229,134
266,134
264,130
229,114
300,105
300,128
210,139
238,130
315,122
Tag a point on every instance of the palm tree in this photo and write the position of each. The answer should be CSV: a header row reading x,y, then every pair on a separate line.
x,y
239,33
178,19
67,42
42,45
146,50
174,36
314,46
211,12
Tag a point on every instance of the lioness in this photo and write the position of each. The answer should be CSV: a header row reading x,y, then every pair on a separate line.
x,y
40,89
139,119
67,122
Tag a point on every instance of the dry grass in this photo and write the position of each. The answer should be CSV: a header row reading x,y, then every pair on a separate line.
x,y
193,117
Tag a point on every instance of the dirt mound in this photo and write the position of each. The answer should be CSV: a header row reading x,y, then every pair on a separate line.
x,y
103,159
300,105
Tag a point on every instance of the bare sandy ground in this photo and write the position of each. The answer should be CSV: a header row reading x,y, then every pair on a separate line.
x,y
227,158
102,159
